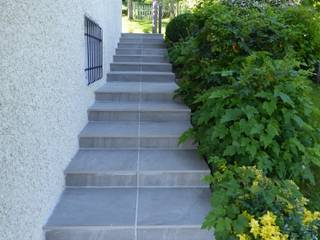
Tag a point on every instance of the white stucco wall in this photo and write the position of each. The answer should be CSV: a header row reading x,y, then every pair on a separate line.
x,y
43,102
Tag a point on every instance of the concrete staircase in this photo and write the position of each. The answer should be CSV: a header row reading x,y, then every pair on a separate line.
x,y
130,180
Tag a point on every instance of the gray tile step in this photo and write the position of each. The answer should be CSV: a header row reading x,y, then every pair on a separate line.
x,y
141,45
141,35
133,111
130,91
141,58
129,134
131,180
140,51
141,40
141,66
161,214
172,168
141,76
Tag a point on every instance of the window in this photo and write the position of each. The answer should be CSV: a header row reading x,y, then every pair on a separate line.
x,y
94,51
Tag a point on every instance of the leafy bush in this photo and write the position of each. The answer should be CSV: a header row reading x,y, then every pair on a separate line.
x,y
261,3
263,119
228,34
248,205
179,28
245,74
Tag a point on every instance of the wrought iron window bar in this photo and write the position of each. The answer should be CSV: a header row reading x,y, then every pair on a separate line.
x,y
94,51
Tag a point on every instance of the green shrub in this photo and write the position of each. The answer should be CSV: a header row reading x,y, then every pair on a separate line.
x,y
245,74
262,3
263,118
248,205
179,28
229,34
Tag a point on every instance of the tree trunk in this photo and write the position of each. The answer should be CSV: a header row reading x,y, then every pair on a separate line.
x,y
130,10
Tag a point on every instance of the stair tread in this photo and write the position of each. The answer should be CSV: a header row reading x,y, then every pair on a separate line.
x,y
101,161
116,207
130,129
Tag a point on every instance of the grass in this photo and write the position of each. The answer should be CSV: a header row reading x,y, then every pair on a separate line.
x,y
141,26
312,192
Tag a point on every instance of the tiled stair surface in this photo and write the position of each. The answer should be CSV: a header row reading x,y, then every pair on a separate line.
x,y
130,180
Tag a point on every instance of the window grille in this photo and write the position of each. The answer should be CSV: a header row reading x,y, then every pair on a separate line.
x,y
94,51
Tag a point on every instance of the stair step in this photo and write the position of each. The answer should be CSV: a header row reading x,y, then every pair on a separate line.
x,y
130,179
141,76
133,111
114,213
141,35
130,91
141,45
172,168
142,51
141,66
141,58
141,40
131,134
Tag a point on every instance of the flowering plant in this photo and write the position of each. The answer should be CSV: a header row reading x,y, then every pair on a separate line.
x,y
247,205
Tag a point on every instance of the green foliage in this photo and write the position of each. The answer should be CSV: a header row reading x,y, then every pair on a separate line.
x,y
262,3
243,195
179,28
228,34
246,73
261,119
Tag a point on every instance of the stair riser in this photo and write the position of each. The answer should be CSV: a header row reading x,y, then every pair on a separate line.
x,y
86,234
174,234
135,97
123,142
167,179
150,59
100,180
134,116
141,36
165,143
126,97
143,68
142,40
146,179
148,233
140,77
139,51
141,46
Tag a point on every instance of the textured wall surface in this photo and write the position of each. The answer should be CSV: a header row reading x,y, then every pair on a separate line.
x,y
43,101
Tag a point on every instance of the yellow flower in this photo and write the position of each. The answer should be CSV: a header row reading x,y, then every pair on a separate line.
x,y
270,232
268,219
255,227
243,237
310,217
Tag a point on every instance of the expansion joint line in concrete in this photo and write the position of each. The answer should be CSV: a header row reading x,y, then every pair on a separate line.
x,y
139,149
